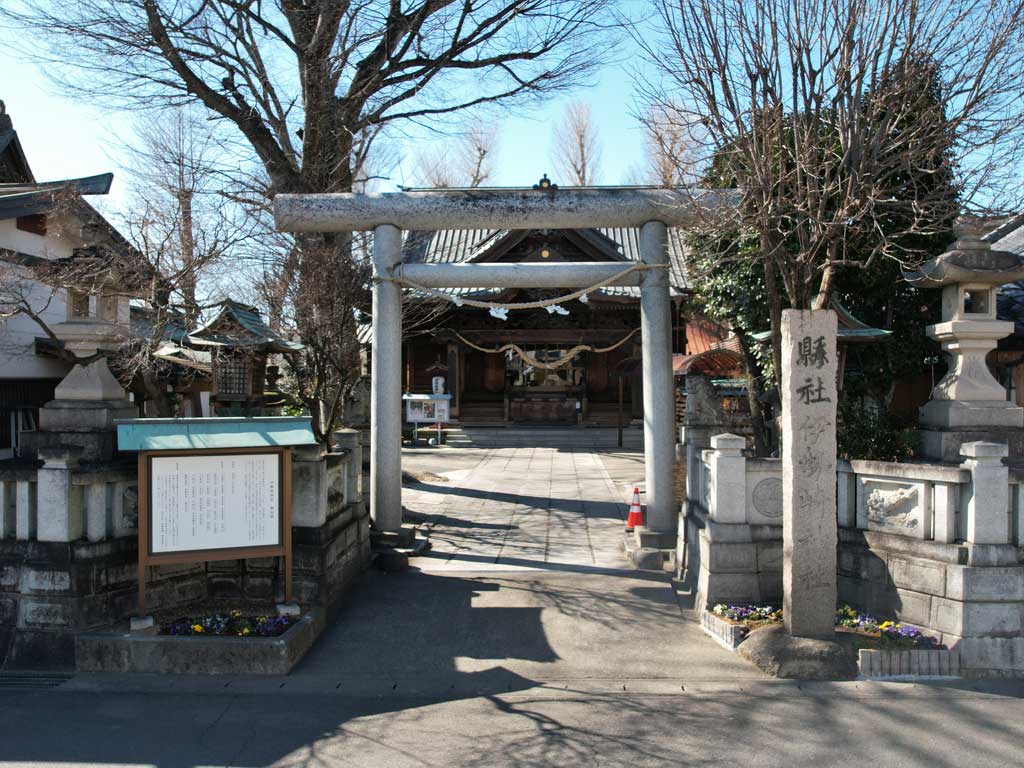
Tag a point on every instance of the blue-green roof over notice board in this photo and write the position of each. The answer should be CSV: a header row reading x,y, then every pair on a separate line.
x,y
196,434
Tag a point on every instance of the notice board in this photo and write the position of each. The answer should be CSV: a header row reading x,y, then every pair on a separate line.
x,y
218,501
217,504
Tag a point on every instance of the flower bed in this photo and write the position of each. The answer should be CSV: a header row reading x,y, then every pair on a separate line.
x,y
869,632
890,634
748,614
203,652
232,624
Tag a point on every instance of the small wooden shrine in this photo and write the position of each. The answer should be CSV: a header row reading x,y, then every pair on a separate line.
x,y
240,344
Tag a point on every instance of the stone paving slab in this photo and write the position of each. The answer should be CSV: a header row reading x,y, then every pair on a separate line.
x,y
521,508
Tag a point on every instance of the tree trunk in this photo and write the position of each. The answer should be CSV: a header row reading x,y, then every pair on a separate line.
x,y
771,287
188,256
828,277
754,392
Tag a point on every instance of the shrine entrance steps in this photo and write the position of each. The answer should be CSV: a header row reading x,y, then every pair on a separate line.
x,y
507,435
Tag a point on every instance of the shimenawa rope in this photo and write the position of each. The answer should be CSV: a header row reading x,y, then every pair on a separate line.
x,y
561,362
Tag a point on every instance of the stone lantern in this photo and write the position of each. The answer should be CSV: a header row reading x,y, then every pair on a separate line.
x,y
968,404
89,398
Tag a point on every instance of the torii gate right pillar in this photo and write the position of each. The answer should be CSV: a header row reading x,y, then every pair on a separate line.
x,y
659,398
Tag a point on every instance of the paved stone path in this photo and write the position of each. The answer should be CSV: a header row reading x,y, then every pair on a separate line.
x,y
522,508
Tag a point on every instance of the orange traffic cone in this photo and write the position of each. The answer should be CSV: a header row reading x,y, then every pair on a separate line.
x,y
636,517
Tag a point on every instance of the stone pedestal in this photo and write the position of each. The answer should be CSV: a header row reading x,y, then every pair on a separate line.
x,y
88,401
809,367
92,382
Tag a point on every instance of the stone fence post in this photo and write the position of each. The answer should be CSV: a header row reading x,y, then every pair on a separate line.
x,y
98,518
8,507
26,510
309,487
348,440
986,517
60,513
727,483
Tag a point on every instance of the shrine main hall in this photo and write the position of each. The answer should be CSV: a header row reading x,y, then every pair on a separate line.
x,y
552,365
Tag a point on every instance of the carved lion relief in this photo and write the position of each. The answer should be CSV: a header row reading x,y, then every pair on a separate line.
x,y
894,507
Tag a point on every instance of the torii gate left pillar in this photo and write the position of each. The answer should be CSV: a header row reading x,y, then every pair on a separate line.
x,y
651,210
386,383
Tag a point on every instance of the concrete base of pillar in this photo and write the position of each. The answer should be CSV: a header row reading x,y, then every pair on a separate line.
x,y
142,625
780,655
944,444
403,538
971,414
85,424
645,537
650,550
732,563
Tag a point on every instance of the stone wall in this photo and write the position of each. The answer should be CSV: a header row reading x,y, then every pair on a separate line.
x,y
50,590
969,596
938,546
732,519
933,545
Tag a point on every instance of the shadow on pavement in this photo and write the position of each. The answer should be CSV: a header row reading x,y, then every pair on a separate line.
x,y
506,670
613,510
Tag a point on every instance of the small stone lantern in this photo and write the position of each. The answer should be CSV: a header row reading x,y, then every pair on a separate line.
x,y
968,404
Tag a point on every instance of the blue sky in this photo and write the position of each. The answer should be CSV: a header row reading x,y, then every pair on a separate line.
x,y
67,138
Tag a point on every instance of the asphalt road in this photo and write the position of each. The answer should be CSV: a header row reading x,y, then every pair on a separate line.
x,y
727,724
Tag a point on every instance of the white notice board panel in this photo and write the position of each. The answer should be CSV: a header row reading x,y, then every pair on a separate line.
x,y
215,502
420,411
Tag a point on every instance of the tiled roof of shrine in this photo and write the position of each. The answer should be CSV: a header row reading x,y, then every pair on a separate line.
x,y
462,245
239,326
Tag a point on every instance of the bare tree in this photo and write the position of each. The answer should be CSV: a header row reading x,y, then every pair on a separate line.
x,y
478,149
434,170
468,164
824,113
577,153
668,148
176,216
178,221
309,86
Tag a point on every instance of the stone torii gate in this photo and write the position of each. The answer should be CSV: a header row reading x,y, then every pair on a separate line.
x,y
652,210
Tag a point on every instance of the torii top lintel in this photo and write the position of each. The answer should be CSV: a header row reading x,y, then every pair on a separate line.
x,y
573,208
